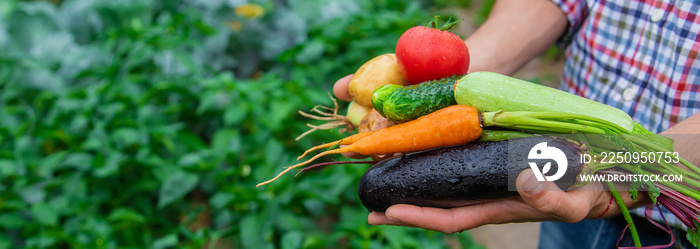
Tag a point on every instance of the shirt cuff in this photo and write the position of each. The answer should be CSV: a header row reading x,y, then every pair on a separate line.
x,y
576,12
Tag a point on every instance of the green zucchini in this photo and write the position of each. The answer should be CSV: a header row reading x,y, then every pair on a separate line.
x,y
489,91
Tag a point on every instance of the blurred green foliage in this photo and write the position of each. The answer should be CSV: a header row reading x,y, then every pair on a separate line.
x,y
147,124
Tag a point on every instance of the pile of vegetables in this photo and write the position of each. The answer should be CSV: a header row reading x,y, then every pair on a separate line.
x,y
450,129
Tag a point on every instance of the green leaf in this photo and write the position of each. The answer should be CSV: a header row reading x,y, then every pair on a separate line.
x,y
111,165
234,114
273,152
7,168
171,63
41,241
223,219
226,140
78,124
51,163
80,161
254,232
14,205
398,238
315,207
5,243
139,54
33,194
278,111
209,101
693,236
126,137
12,220
44,214
221,199
109,111
177,185
31,24
7,7
190,160
312,51
286,220
125,214
191,141
167,241
75,187
292,240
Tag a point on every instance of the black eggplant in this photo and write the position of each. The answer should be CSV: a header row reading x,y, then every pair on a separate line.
x,y
459,175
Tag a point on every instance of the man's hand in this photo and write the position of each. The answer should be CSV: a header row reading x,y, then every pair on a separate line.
x,y
545,202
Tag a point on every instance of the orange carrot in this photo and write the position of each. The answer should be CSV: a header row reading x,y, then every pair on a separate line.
x,y
453,125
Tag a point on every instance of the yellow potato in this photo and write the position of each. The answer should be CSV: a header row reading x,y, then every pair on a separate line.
x,y
379,71
357,112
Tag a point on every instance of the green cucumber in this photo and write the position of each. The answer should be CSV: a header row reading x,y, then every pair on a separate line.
x,y
380,95
489,91
401,104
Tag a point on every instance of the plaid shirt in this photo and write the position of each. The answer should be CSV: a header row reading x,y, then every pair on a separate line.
x,y
640,56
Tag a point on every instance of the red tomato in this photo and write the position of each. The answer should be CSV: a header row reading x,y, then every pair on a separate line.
x,y
425,53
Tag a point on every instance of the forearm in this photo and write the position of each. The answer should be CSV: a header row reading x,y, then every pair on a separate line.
x,y
515,32
686,146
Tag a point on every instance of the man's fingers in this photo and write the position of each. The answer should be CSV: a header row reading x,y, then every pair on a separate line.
x,y
376,218
353,154
340,89
463,218
547,198
436,219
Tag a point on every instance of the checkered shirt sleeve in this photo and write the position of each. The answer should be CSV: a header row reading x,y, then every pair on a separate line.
x,y
576,12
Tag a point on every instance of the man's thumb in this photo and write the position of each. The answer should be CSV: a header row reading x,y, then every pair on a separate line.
x,y
545,196
527,182
533,191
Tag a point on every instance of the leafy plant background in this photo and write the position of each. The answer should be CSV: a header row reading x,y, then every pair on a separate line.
x,y
147,124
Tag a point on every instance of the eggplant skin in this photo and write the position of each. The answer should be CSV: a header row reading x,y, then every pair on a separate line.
x,y
459,175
